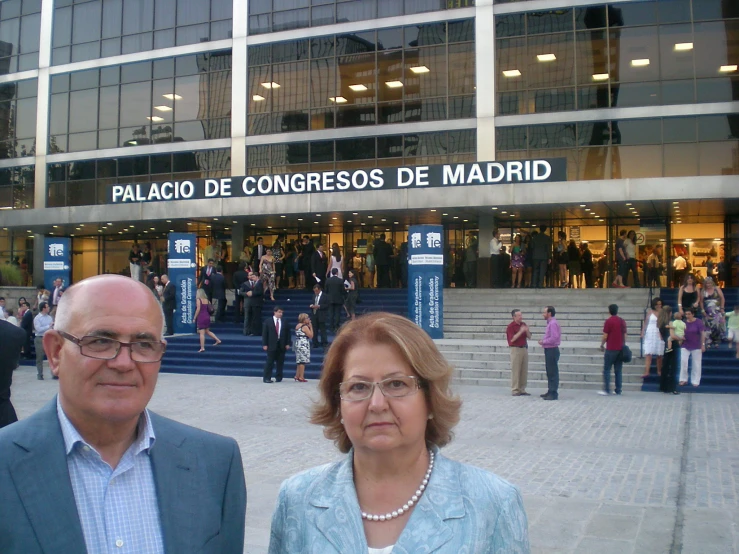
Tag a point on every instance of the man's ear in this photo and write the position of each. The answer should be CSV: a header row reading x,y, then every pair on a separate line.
x,y
53,344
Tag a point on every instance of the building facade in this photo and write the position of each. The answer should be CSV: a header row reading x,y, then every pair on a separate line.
x,y
641,98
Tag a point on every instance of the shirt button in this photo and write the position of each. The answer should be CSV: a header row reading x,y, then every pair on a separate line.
x,y
86,448
119,543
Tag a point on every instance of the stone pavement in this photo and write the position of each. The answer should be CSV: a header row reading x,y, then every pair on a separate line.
x,y
640,473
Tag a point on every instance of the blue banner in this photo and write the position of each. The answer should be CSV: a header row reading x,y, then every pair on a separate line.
x,y
426,278
57,261
181,270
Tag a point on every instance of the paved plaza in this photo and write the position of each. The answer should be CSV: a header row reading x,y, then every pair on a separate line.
x,y
641,473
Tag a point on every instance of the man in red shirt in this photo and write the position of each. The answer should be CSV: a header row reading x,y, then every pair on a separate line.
x,y
517,332
613,341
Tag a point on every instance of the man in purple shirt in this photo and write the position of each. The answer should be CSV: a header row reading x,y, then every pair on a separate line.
x,y
550,343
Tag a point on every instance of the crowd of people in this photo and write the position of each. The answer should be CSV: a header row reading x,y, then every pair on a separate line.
x,y
533,260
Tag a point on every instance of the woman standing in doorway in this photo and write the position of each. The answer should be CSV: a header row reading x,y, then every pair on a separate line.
x,y
203,311
518,261
267,273
631,255
561,257
336,262
574,265
653,343
687,296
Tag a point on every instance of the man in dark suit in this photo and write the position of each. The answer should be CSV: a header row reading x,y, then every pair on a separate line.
x,y
180,488
253,292
27,326
335,291
206,279
320,309
307,263
319,266
12,339
276,342
257,252
218,287
382,252
169,298
240,277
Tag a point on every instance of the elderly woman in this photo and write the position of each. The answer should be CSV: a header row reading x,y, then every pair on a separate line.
x,y
693,347
712,303
385,400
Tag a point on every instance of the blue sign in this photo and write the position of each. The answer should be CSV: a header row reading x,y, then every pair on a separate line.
x,y
57,261
181,270
426,278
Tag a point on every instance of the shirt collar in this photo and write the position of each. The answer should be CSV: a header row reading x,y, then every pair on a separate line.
x,y
145,437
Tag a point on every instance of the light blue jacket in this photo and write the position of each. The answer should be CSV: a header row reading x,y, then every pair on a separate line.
x,y
464,510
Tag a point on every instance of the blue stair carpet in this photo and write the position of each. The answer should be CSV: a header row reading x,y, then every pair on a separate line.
x,y
241,355
720,368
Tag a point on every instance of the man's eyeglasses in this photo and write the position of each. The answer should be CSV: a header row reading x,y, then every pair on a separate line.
x,y
393,387
104,348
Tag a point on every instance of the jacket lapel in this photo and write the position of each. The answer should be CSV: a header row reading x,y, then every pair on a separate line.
x,y
442,500
51,510
338,517
174,467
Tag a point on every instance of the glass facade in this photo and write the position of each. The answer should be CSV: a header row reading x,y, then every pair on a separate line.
x,y
85,182
18,118
20,27
356,153
16,187
91,29
631,148
280,15
618,55
169,100
416,73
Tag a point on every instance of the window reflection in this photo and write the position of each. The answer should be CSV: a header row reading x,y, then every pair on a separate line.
x,y
625,55
363,79
632,148
84,182
17,187
20,26
143,108
17,118
327,155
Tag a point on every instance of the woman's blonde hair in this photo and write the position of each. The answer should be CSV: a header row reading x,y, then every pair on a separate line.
x,y
200,295
302,318
415,347
665,317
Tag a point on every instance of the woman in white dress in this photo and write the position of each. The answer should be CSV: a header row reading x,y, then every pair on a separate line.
x,y
337,262
653,344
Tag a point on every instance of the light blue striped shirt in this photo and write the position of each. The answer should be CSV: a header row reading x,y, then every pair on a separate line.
x,y
117,507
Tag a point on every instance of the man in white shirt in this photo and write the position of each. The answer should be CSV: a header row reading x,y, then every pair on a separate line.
x,y
495,269
41,323
56,295
681,267
2,308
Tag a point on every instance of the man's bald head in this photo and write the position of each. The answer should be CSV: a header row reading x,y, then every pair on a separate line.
x,y
101,290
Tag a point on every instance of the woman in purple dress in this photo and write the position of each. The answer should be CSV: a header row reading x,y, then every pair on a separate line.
x,y
203,311
518,261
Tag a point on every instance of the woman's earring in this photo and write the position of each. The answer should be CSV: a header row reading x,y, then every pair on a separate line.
x,y
342,421
431,416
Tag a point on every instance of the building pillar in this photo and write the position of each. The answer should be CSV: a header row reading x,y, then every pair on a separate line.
x,y
485,79
239,88
486,226
237,241
42,106
38,259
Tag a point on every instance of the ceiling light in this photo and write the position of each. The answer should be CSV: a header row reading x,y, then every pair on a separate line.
x,y
383,219
169,221
172,96
583,205
727,68
253,224
299,219
348,220
155,118
370,217
600,77
71,235
271,85
456,217
494,208
100,230
209,227
283,216
234,222
338,99
546,57
504,212
55,226
431,210
420,69
151,228
628,203
358,88
318,215
394,84
586,209
355,213
330,224
258,98
315,223
163,108
683,46
640,63
269,226
171,230
512,73
676,202
189,223
109,223
512,215
334,218
444,214
396,222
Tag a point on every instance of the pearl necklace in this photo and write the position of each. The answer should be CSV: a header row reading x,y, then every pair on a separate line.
x,y
408,505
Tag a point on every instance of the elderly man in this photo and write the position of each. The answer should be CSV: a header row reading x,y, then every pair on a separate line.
x,y
517,334
94,470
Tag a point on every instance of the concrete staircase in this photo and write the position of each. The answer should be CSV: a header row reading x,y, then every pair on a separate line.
x,y
475,323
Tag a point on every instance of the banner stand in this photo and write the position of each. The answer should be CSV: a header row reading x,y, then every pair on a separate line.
x,y
182,271
426,278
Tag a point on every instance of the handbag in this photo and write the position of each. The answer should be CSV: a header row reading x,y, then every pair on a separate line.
x,y
626,354
211,309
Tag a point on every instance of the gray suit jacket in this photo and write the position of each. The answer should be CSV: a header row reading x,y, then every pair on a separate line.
x,y
199,481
